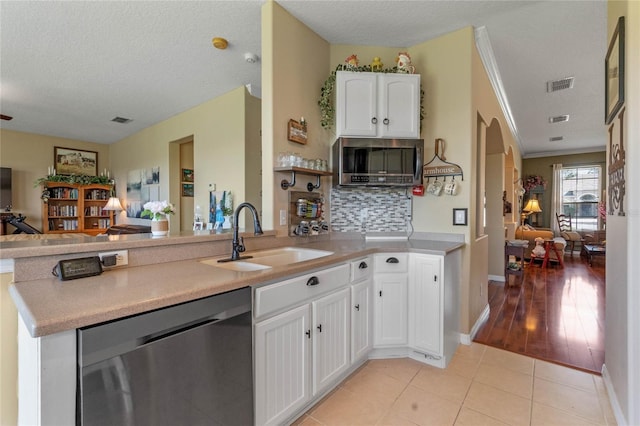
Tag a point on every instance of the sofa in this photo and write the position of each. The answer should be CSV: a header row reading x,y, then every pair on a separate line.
x,y
530,234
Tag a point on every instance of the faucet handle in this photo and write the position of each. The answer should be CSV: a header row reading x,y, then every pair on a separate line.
x,y
241,247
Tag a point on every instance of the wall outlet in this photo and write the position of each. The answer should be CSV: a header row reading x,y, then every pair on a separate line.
x,y
122,256
283,217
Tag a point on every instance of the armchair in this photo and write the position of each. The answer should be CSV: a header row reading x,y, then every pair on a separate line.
x,y
572,237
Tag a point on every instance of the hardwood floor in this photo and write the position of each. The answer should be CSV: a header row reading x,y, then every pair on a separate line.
x,y
556,314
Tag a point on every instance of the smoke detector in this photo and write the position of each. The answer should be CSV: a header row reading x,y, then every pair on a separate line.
x,y
251,58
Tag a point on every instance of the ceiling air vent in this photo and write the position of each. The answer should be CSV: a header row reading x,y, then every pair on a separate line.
x,y
122,120
559,118
563,83
556,138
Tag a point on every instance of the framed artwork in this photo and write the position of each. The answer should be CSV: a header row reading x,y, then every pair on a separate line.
x,y
460,217
187,190
297,132
187,175
71,161
614,74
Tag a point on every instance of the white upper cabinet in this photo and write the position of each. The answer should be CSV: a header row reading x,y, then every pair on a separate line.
x,y
382,105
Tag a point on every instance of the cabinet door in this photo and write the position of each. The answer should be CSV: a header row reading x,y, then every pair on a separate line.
x,y
282,365
390,309
361,338
399,105
425,309
356,104
331,355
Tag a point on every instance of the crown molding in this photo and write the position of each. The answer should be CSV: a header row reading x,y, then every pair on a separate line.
x,y
483,44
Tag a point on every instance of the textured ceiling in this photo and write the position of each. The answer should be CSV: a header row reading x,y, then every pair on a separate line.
x,y
68,68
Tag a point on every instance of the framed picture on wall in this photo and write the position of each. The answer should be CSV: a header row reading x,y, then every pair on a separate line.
x,y
460,217
71,161
187,175
614,74
187,190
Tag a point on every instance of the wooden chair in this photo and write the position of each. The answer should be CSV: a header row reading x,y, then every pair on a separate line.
x,y
572,237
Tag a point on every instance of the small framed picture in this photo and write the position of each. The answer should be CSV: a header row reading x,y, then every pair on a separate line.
x,y
198,226
187,190
187,175
460,217
296,132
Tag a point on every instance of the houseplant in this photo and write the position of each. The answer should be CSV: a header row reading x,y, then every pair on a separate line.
x,y
158,211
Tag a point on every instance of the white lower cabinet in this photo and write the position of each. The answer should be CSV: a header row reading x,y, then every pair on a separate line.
x,y
425,308
361,309
331,356
282,360
312,330
390,299
303,351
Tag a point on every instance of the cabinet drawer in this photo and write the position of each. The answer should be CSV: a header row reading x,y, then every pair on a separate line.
x,y
391,262
361,269
274,297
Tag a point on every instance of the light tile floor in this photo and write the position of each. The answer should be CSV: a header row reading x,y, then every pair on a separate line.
x,y
481,386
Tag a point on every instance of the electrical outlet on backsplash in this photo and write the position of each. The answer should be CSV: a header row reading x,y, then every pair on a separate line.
x,y
370,209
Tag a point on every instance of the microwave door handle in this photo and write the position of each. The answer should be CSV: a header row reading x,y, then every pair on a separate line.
x,y
418,169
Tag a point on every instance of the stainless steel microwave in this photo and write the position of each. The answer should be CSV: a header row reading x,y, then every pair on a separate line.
x,y
377,162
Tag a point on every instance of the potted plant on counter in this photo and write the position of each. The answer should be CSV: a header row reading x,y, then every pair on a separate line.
x,y
158,211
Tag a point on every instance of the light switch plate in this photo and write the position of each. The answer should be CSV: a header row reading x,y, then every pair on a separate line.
x,y
283,217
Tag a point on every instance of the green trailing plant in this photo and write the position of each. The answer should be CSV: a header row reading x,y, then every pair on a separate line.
x,y
327,110
74,179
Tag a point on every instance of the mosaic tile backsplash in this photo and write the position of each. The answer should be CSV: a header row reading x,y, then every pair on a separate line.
x,y
370,209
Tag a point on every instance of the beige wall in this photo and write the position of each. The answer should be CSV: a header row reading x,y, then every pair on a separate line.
x,y
29,155
622,334
295,62
218,131
8,354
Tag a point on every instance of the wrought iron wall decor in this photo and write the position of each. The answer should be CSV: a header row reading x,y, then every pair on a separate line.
x,y
616,186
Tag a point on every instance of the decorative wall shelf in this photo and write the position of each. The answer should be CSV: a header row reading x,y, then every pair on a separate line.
x,y
284,184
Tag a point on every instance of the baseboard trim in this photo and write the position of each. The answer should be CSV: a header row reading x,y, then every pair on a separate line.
x,y
466,339
613,399
499,278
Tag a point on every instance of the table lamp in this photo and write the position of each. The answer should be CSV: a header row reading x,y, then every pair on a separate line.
x,y
113,204
533,206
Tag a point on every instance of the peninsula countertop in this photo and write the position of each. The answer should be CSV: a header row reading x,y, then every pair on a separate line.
x,y
49,306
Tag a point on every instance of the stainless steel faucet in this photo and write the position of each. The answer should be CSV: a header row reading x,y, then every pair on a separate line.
x,y
238,242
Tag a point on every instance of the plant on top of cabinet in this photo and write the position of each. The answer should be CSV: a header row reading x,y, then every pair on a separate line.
x,y
326,104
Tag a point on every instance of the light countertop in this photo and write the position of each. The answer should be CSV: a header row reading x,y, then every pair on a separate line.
x,y
48,306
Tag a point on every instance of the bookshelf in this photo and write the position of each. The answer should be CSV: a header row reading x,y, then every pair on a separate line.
x,y
76,208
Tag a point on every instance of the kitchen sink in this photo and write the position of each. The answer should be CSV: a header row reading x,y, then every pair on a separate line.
x,y
286,255
238,265
265,259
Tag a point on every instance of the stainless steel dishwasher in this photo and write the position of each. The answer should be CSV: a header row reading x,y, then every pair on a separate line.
x,y
189,364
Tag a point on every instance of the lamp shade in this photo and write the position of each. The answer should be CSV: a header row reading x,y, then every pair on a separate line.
x,y
533,206
113,204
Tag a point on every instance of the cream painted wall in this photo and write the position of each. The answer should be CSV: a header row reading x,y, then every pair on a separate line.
x,y
218,130
253,153
622,334
8,354
295,61
29,155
